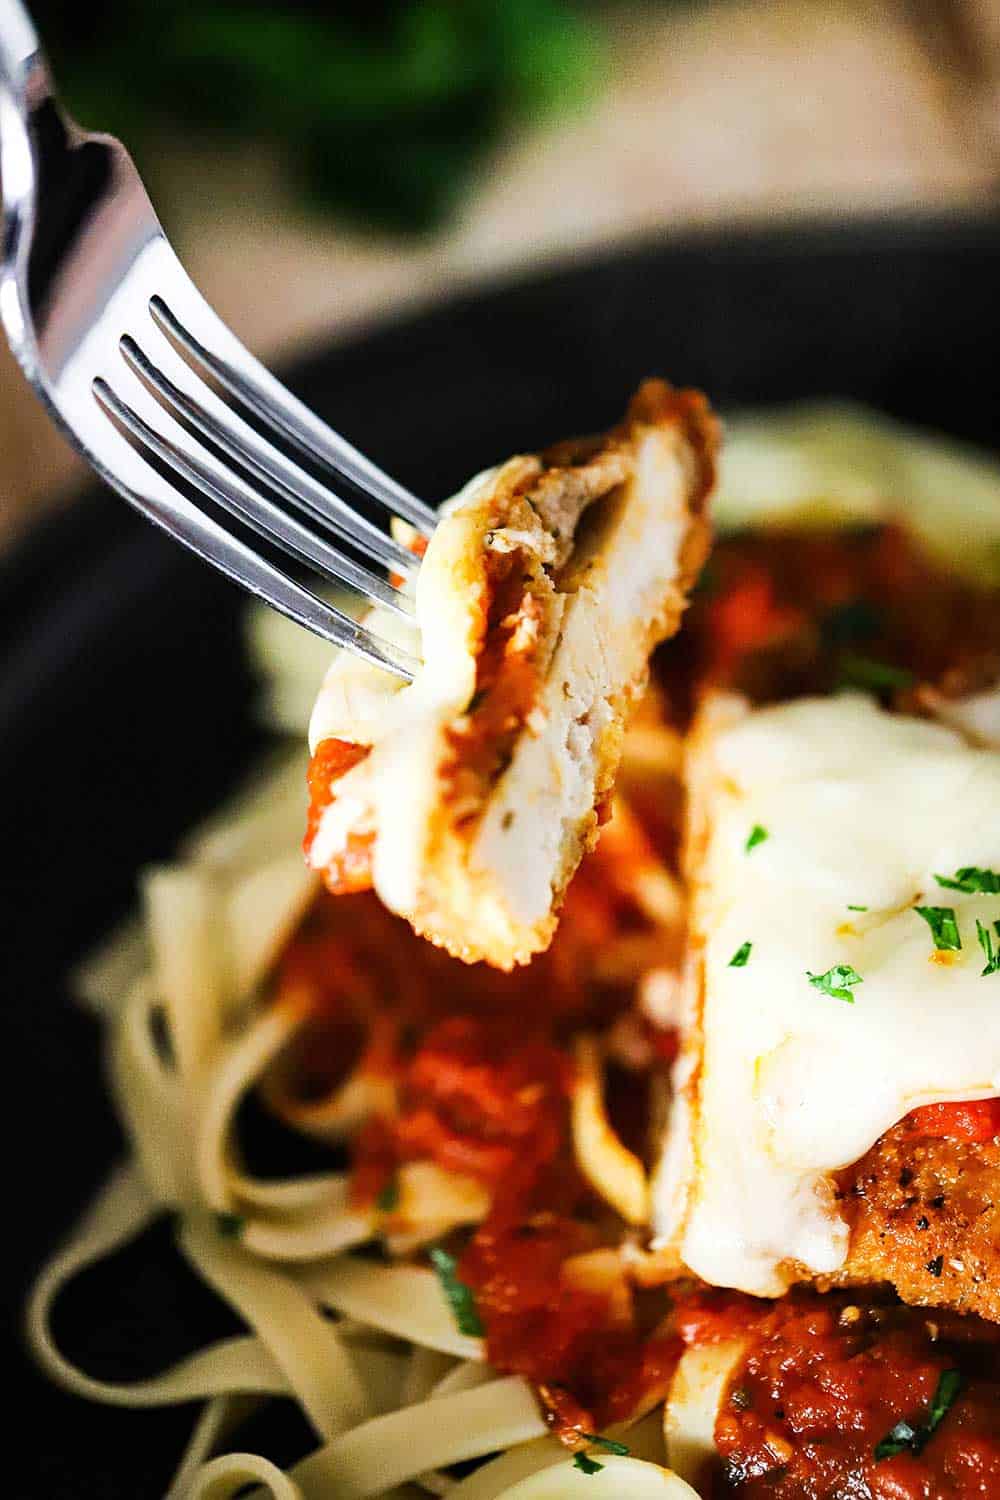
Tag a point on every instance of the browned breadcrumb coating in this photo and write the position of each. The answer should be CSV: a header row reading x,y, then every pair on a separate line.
x,y
553,490
924,1214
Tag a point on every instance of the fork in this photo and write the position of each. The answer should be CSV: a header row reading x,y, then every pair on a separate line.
x,y
158,394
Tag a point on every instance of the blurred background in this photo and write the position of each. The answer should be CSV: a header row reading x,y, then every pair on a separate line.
x,y
319,165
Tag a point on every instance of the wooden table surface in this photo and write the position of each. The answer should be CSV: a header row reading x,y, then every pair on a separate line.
x,y
715,112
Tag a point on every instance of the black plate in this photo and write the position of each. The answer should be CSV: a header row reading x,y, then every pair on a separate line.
x,y
125,691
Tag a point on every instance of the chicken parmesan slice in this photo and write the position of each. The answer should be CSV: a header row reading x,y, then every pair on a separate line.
x,y
838,1110
469,797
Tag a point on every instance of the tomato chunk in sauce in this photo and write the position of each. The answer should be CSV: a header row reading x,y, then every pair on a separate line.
x,y
783,613
479,1100
351,870
813,1409
977,1121
593,1359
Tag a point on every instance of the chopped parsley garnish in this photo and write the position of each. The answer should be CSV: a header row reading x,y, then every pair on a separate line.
x,y
944,1398
901,1439
460,1298
739,958
756,836
586,1465
388,1199
857,908
708,581
850,623
836,982
943,926
905,1438
230,1226
971,879
621,1449
986,943
872,676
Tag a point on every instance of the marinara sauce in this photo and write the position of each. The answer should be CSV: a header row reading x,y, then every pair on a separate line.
x,y
593,1360
783,613
351,869
843,1396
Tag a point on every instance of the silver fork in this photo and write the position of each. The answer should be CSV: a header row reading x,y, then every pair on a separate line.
x,y
129,359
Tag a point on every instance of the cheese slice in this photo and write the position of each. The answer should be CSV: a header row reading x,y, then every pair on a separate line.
x,y
781,1084
977,715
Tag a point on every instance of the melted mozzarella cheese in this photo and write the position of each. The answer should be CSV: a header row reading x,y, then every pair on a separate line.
x,y
782,1083
978,716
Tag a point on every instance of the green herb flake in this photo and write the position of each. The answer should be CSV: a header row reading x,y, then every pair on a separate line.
x,y
739,958
872,676
851,623
622,1449
230,1226
971,880
857,908
986,943
586,1465
943,926
944,1398
836,982
901,1439
459,1296
756,836
708,582
905,1438
388,1199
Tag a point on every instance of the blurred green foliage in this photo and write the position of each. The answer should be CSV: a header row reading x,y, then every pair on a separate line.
x,y
387,108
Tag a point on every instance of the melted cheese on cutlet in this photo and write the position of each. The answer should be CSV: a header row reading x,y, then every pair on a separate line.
x,y
786,1083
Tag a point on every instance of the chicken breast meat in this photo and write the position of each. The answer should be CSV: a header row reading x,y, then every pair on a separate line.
x,y
469,797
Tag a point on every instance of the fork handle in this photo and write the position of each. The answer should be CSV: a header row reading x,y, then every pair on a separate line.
x,y
20,49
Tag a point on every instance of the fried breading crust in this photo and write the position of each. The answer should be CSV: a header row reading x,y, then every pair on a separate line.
x,y
924,1215
547,585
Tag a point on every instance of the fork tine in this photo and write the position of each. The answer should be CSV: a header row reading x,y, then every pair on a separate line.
x,y
199,405
105,271
197,465
241,374
181,519
186,393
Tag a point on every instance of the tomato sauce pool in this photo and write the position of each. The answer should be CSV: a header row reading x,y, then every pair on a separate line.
x,y
842,1397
